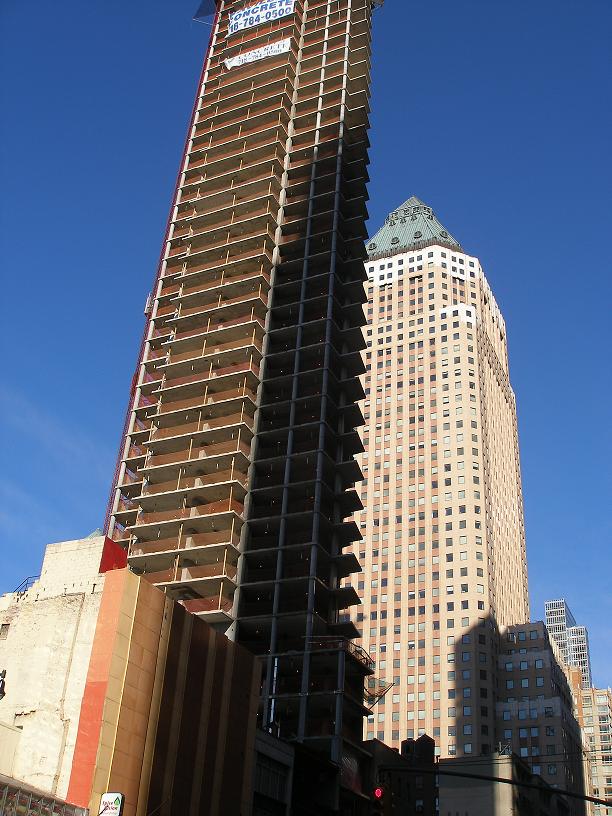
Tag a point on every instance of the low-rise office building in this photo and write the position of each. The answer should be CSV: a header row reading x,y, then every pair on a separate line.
x,y
595,716
535,709
519,792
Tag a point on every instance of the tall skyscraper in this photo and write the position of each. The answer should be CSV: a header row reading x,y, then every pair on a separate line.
x,y
237,465
443,555
573,640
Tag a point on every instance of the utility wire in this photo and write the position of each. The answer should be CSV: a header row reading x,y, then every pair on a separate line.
x,y
486,778
159,807
531,757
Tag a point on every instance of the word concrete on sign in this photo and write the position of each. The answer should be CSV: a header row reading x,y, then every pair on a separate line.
x,y
262,12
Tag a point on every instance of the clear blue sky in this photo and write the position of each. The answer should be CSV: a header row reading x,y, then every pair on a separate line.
x,y
497,114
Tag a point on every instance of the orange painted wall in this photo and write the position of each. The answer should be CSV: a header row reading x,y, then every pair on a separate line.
x,y
131,697
116,707
169,710
92,707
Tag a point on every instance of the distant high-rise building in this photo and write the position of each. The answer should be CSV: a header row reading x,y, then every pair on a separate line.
x,y
443,554
596,722
235,485
573,640
558,620
536,711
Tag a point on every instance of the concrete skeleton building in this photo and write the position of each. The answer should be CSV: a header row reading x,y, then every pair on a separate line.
x,y
443,556
235,484
573,640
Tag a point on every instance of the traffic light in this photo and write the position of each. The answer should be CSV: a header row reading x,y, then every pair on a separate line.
x,y
380,801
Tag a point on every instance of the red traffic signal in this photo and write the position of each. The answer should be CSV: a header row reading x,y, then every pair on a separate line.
x,y
378,793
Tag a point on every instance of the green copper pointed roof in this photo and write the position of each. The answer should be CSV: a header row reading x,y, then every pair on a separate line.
x,y
412,226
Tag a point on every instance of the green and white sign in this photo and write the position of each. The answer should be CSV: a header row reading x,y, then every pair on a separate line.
x,y
111,804
262,12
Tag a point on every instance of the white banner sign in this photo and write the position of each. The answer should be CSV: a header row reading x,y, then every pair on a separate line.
x,y
271,50
262,12
111,804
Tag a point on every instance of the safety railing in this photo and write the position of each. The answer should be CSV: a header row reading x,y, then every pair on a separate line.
x,y
17,799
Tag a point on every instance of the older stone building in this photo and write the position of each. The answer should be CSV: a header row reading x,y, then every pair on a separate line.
x,y
46,635
113,686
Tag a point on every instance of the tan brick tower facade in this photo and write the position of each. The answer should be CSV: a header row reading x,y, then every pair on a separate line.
x,y
443,555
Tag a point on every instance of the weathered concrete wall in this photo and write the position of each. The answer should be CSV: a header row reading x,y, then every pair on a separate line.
x,y
9,742
46,653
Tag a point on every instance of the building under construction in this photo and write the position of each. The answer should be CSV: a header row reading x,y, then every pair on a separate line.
x,y
236,473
